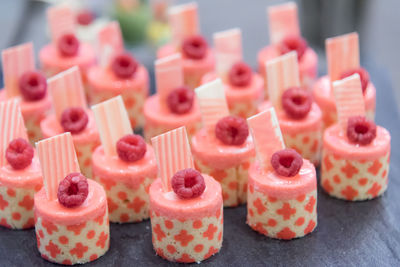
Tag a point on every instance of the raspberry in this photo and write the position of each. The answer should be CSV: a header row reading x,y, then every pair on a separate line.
x,y
240,74
85,17
293,43
68,45
188,183
73,190
180,100
124,66
296,102
195,47
131,148
364,76
74,120
19,153
360,130
232,130
33,85
286,162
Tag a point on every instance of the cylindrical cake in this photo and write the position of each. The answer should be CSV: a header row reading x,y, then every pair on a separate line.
x,y
186,230
17,189
159,121
103,85
282,207
85,142
126,184
355,172
72,235
226,164
323,96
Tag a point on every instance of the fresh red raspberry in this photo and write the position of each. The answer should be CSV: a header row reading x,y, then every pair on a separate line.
x,y
33,85
188,183
124,65
180,100
364,76
74,120
85,17
131,148
286,162
68,45
360,130
296,102
195,47
293,43
73,190
240,74
232,130
19,153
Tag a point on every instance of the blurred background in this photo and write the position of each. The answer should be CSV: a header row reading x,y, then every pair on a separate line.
x,y
376,21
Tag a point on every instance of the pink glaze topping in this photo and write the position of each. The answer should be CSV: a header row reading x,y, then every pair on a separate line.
x,y
336,142
131,174
283,188
171,206
218,155
30,177
94,206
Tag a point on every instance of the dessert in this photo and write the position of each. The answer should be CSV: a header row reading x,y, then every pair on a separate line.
x,y
185,205
71,114
299,118
174,104
198,58
71,216
124,164
22,80
118,74
65,50
223,149
244,89
282,188
356,152
20,173
343,57
285,36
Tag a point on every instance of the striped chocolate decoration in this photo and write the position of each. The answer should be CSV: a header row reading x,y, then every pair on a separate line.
x,y
110,42
283,21
183,21
228,50
61,20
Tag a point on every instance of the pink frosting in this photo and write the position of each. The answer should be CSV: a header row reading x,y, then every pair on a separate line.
x,y
283,188
324,97
94,206
214,153
30,177
31,107
171,206
103,79
132,174
51,127
154,113
337,143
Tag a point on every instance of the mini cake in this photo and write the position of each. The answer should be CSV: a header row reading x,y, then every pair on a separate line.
x,y
124,164
223,149
118,74
244,89
343,57
174,105
22,80
282,189
356,152
65,50
71,215
198,58
20,173
186,205
299,118
285,36
72,115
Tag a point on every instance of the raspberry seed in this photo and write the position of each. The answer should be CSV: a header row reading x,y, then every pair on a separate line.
x,y
232,130
287,162
19,153
131,148
188,183
73,190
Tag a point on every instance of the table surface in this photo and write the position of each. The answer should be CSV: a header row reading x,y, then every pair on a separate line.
x,y
348,234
